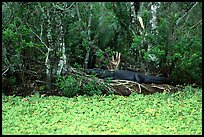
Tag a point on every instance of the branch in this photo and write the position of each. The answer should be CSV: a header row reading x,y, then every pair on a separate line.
x,y
38,38
126,82
61,8
78,14
181,18
87,77
35,35
196,24
5,71
114,63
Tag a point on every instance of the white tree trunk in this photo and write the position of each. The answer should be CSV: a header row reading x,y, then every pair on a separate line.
x,y
62,62
133,14
89,38
47,60
153,21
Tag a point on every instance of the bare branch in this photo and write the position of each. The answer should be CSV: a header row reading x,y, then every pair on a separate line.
x,y
181,18
61,8
37,37
5,71
196,24
114,63
78,14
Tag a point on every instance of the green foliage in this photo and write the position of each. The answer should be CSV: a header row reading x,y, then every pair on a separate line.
x,y
68,85
188,58
17,35
90,88
42,88
173,50
12,80
73,85
136,45
104,56
77,42
104,25
160,113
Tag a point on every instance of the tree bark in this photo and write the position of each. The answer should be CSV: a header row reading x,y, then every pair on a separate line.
x,y
47,61
86,60
62,61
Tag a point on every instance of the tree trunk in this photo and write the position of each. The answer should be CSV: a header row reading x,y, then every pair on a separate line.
x,y
86,60
62,61
47,61
153,21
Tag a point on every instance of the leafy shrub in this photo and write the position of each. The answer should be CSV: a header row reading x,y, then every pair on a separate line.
x,y
72,85
68,85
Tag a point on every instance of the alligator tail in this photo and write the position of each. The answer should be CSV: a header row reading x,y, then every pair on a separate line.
x,y
156,80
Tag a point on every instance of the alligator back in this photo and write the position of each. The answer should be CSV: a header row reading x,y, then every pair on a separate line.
x,y
119,74
135,76
129,75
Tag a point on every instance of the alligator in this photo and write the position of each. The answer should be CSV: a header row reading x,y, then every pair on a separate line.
x,y
129,75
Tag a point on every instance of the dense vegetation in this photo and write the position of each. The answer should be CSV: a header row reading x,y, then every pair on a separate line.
x,y
46,46
41,41
160,113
